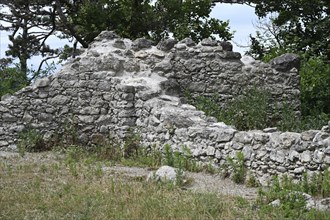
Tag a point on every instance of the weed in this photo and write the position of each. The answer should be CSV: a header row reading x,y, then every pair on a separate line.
x,y
31,140
251,181
237,167
131,144
169,158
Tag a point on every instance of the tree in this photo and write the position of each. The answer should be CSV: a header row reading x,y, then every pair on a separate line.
x,y
303,25
139,18
300,27
31,24
11,78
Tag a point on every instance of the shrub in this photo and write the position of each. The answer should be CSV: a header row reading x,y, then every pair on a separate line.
x,y
237,167
11,80
31,140
315,86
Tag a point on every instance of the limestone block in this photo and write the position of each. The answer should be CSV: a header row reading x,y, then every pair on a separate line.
x,y
59,100
166,44
318,156
225,135
320,137
164,66
294,156
86,119
308,135
120,44
247,151
164,174
305,157
299,170
180,46
289,139
187,41
7,117
141,43
285,62
243,137
323,204
209,42
40,83
3,144
218,154
210,151
141,54
89,111
260,154
277,156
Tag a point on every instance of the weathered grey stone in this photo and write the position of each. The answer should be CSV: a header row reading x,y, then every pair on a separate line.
x,y
165,174
285,62
289,139
323,204
119,44
59,100
247,151
141,43
305,157
278,156
166,44
294,156
225,135
270,130
318,156
106,35
4,143
209,42
40,83
243,137
299,170
187,41
308,135
227,46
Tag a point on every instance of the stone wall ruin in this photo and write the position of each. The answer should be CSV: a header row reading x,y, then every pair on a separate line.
x,y
118,84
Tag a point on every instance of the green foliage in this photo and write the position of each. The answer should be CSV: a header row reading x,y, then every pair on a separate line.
x,y
292,201
131,144
315,86
189,18
300,26
31,140
11,80
237,167
253,111
248,111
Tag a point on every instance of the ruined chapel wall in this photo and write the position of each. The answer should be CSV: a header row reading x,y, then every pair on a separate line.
x,y
118,84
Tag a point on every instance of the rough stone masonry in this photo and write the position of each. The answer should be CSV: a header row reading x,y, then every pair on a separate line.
x,y
117,85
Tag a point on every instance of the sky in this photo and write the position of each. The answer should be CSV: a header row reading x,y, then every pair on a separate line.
x,y
241,21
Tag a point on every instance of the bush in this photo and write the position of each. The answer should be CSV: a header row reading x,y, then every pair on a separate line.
x,y
11,80
315,86
253,111
31,141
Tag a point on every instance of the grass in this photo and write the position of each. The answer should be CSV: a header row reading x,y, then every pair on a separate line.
x,y
72,185
52,190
